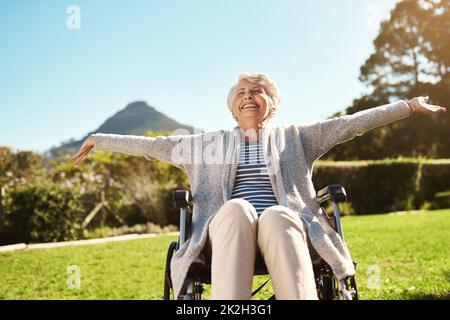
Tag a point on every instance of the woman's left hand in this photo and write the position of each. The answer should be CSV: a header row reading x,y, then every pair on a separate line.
x,y
419,104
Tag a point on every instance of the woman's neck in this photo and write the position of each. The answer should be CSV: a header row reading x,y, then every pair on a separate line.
x,y
251,134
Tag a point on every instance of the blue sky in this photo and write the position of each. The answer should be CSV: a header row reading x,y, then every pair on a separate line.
x,y
181,57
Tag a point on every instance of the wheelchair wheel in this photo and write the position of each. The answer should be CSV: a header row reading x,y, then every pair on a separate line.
x,y
167,277
350,286
350,291
328,286
325,283
192,290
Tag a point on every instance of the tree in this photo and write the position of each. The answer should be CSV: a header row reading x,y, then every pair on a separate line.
x,y
411,58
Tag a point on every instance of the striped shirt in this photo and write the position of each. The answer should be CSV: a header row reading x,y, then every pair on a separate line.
x,y
252,181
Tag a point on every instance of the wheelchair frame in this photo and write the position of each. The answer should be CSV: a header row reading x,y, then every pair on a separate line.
x,y
328,287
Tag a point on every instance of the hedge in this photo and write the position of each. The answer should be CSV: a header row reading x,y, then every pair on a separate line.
x,y
42,213
379,186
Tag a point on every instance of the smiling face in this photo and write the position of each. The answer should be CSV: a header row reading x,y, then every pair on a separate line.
x,y
250,102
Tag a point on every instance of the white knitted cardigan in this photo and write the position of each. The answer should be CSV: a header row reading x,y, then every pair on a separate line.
x,y
210,160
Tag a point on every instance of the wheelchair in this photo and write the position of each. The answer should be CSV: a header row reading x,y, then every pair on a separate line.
x,y
327,285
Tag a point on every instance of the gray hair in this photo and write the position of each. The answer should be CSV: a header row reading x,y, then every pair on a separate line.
x,y
262,79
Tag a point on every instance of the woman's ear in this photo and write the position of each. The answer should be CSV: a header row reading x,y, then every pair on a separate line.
x,y
272,111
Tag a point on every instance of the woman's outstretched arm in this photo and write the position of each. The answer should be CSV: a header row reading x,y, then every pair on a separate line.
x,y
319,138
160,147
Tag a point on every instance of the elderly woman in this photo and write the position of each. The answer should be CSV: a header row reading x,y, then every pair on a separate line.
x,y
253,193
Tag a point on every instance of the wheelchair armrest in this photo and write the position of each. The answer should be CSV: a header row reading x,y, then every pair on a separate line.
x,y
336,192
182,198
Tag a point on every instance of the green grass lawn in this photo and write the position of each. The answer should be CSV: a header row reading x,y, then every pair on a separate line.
x,y
410,251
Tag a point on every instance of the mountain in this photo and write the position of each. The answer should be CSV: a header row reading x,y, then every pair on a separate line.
x,y
137,118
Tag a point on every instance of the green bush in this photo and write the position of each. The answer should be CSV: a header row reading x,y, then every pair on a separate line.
x,y
379,186
42,213
137,190
345,208
441,200
435,178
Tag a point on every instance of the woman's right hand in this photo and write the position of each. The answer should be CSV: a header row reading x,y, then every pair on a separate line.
x,y
84,151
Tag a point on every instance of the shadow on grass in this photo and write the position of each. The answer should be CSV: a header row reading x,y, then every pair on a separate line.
x,y
428,296
418,296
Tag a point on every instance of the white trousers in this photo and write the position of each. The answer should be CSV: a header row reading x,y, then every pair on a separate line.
x,y
236,236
